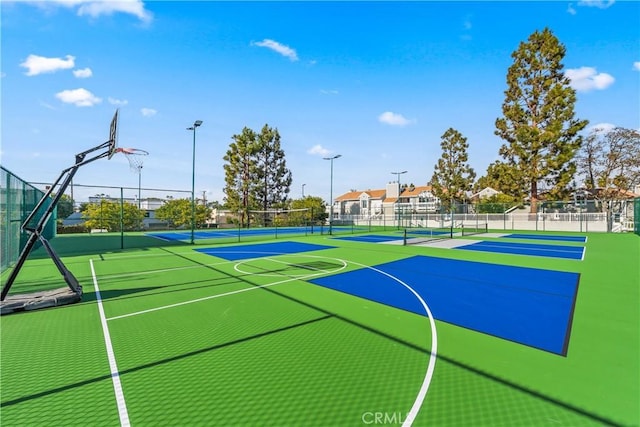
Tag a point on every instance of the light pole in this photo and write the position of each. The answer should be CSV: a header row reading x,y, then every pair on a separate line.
x,y
331,159
399,191
398,174
193,179
139,185
303,190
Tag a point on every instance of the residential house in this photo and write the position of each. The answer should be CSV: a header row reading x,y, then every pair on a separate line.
x,y
372,203
485,193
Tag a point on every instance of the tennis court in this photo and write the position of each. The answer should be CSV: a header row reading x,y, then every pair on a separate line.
x,y
318,330
530,249
559,238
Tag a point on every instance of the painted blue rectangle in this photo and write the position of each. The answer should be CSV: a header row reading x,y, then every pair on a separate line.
x,y
533,307
370,238
578,239
233,253
552,251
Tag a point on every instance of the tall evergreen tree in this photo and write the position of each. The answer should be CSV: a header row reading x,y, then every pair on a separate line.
x,y
452,176
272,174
256,175
539,124
240,174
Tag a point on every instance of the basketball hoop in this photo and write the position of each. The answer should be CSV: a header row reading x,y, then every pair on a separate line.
x,y
135,157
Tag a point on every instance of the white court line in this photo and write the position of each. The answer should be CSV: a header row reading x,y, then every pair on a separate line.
x,y
253,288
115,375
163,270
422,393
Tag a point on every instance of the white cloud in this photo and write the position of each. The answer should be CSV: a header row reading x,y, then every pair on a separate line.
x,y
636,65
95,8
319,150
148,112
36,64
278,47
393,119
119,102
329,91
83,73
78,97
108,7
585,79
600,4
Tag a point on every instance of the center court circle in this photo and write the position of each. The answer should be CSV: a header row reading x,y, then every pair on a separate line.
x,y
294,266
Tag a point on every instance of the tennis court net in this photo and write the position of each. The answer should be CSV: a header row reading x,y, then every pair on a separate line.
x,y
416,236
474,228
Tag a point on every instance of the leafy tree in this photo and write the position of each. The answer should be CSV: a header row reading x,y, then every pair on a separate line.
x,y
105,214
539,124
610,160
452,176
177,213
504,178
64,207
273,177
317,212
498,203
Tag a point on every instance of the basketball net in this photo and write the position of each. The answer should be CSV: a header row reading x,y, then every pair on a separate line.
x,y
135,157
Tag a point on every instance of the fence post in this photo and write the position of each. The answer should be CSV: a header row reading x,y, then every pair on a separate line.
x,y
121,218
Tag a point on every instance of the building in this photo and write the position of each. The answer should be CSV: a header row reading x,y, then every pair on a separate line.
x,y
375,203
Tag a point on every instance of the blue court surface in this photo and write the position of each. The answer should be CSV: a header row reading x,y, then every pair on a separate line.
x,y
234,253
579,239
533,307
371,238
552,251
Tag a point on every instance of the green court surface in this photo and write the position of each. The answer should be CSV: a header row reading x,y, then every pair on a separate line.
x,y
166,335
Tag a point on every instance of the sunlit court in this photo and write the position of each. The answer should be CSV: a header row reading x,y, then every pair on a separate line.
x,y
319,213
323,330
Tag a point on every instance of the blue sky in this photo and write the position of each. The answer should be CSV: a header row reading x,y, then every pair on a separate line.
x,y
376,82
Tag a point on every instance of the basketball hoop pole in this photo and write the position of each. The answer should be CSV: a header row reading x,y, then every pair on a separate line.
x,y
36,232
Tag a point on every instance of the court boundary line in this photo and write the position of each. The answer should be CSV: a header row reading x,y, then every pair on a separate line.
x,y
490,244
113,366
424,387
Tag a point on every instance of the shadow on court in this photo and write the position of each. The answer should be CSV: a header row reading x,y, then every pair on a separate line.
x,y
447,361
92,244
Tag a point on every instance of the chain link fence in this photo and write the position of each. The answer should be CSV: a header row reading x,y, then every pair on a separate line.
x,y
17,200
576,216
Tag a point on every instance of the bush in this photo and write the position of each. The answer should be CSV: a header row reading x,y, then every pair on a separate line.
x,y
70,229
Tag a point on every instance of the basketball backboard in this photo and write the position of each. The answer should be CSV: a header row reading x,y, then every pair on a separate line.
x,y
113,135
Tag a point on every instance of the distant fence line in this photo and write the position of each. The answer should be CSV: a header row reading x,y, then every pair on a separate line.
x,y
580,216
595,222
575,215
